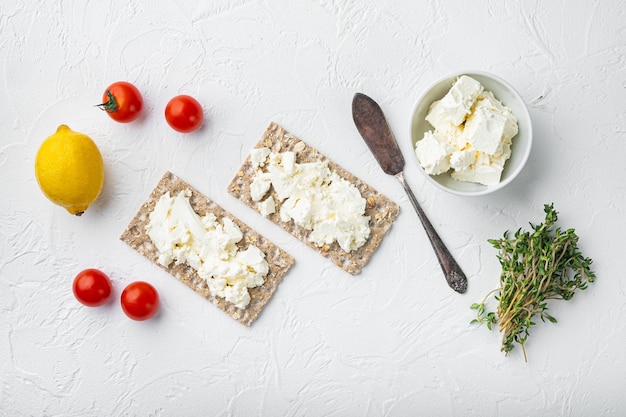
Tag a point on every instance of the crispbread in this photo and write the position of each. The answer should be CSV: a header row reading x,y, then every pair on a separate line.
x,y
279,261
382,210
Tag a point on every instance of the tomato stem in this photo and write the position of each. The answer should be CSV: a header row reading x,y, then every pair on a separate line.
x,y
110,105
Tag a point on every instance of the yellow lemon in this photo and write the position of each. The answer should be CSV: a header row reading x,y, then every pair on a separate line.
x,y
70,170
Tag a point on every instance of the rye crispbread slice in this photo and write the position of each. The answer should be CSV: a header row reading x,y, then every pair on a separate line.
x,y
382,210
279,261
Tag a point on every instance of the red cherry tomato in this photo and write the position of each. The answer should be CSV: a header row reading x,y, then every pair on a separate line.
x,y
122,101
184,114
92,287
140,300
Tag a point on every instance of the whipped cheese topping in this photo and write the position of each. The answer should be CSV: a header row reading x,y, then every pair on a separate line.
x,y
311,195
472,135
183,237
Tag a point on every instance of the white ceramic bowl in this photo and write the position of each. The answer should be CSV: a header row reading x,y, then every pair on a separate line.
x,y
521,143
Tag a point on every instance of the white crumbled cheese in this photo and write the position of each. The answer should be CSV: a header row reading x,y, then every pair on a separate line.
x,y
433,153
183,237
472,134
259,186
484,128
454,107
462,160
487,99
503,153
258,156
314,198
267,206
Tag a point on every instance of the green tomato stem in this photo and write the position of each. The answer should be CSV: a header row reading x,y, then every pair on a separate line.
x,y
110,105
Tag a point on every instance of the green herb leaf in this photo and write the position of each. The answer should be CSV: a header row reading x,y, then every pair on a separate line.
x,y
537,266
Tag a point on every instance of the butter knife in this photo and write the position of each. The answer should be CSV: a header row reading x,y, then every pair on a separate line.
x,y
371,123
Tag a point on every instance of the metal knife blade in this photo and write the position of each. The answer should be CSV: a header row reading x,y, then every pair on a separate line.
x,y
373,127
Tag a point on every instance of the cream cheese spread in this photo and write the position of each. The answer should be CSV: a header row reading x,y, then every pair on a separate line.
x,y
208,246
311,195
472,134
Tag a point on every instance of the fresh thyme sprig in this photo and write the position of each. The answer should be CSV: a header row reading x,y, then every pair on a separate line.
x,y
537,266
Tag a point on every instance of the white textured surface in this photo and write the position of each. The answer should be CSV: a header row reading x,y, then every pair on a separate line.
x,y
394,341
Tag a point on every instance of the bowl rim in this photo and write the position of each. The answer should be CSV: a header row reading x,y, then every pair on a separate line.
x,y
525,116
